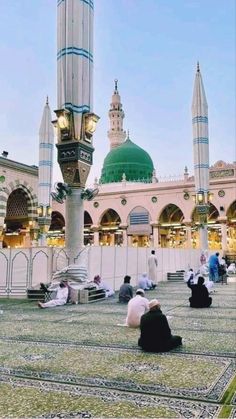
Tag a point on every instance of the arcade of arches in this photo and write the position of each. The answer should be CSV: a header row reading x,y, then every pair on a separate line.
x,y
171,230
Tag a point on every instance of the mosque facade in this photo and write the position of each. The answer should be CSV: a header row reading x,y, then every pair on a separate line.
x,y
133,207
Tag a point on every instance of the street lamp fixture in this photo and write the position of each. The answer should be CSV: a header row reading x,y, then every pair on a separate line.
x,y
64,123
90,123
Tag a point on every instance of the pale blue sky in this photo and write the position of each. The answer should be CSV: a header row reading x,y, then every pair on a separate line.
x,y
152,47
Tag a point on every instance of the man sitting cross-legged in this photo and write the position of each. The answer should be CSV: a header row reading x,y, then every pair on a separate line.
x,y
61,297
137,306
155,331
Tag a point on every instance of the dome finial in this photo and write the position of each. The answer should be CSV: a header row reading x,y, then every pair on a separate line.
x,y
128,135
116,82
198,67
47,100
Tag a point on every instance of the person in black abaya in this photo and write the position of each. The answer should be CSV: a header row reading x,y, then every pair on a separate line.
x,y
200,295
155,331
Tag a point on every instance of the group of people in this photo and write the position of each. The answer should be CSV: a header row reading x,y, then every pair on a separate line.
x,y
155,333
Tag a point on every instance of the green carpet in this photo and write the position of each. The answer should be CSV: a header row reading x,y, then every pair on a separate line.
x,y
75,361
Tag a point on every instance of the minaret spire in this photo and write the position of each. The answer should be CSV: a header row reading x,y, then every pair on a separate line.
x,y
201,149
46,143
116,134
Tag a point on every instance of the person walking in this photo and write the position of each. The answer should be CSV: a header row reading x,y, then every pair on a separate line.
x,y
214,267
152,267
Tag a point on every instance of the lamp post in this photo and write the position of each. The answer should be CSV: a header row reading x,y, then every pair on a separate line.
x,y
76,121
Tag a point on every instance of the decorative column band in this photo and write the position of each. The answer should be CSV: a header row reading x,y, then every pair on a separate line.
x,y
201,166
46,145
88,2
45,184
45,163
76,108
75,51
200,119
201,190
200,140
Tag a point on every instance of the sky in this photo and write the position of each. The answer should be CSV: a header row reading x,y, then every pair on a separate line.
x,y
151,47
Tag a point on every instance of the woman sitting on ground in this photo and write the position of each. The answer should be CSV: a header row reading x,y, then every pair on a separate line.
x,y
200,295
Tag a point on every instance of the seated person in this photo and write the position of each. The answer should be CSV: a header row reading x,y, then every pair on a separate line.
x,y
200,295
137,306
145,283
126,290
100,284
189,276
61,297
231,269
155,331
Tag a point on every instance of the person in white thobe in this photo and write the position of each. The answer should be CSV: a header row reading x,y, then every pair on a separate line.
x,y
137,306
100,284
145,283
61,297
152,267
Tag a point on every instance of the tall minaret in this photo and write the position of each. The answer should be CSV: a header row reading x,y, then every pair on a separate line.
x,y
46,143
75,58
116,134
201,153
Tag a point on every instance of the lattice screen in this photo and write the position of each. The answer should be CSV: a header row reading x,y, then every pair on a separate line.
x,y
17,204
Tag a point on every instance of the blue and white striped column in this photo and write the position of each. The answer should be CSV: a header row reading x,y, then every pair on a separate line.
x,y
75,58
201,147
46,144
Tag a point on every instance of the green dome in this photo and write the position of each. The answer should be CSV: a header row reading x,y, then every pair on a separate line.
x,y
130,159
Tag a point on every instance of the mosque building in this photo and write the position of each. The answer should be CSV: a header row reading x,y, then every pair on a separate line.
x,y
133,207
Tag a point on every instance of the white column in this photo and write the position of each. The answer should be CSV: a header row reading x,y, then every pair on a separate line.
x,y
74,224
125,238
223,227
188,235
95,229
203,237
156,235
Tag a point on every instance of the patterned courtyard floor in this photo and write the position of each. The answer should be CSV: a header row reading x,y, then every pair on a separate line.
x,y
75,361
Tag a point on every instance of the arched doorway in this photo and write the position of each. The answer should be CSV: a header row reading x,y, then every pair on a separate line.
x,y
139,229
231,227
213,227
171,231
88,233
110,234
56,233
19,223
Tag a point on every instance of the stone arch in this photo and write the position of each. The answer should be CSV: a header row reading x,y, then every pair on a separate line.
x,y
171,213
87,219
231,228
139,229
109,232
57,221
27,191
172,232
213,227
109,215
231,211
212,215
88,233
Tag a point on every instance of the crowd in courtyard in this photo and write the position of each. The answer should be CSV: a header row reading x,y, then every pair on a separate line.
x,y
155,333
